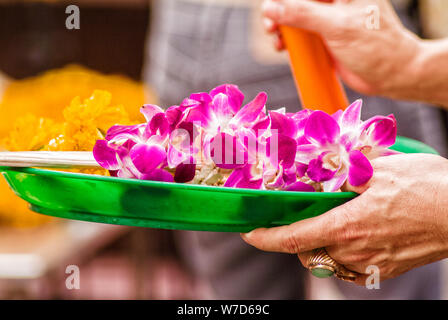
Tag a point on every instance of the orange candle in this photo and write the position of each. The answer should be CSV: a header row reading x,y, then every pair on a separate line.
x,y
316,79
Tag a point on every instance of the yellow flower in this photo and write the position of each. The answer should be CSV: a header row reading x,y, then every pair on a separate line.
x,y
84,123
31,133
57,111
87,121
47,94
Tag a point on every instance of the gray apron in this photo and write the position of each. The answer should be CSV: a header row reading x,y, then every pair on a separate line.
x,y
194,47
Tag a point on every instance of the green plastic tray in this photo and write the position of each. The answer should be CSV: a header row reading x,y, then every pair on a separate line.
x,y
171,205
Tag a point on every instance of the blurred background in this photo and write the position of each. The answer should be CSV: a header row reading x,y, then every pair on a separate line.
x,y
44,67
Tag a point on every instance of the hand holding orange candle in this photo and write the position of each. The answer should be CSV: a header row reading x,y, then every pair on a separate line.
x,y
313,70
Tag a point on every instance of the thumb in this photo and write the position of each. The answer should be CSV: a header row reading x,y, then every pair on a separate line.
x,y
306,14
325,230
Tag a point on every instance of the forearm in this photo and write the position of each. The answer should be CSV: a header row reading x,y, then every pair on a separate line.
x,y
426,78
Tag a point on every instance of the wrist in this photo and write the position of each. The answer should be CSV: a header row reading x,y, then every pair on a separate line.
x,y
433,75
424,76
407,72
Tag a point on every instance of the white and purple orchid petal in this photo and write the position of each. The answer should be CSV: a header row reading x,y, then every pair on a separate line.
x,y
281,149
335,183
251,179
147,157
189,103
120,133
261,126
251,145
250,184
301,140
302,114
250,112
307,152
234,94
184,137
290,175
175,157
221,107
248,177
150,110
128,168
178,114
205,152
185,172
276,181
118,129
158,140
159,125
158,175
384,132
283,124
193,129
317,171
200,115
202,97
126,174
321,128
173,115
227,151
301,118
360,169
123,153
268,174
198,109
351,118
301,169
337,115
300,186
244,178
105,155
125,147
234,178
282,111
286,151
348,141
369,122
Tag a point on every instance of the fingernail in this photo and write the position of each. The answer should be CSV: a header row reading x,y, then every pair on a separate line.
x,y
273,9
245,236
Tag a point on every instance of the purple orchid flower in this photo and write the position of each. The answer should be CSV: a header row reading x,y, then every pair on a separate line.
x,y
137,151
222,121
272,165
340,146
304,151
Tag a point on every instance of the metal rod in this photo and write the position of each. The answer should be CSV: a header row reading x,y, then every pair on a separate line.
x,y
48,159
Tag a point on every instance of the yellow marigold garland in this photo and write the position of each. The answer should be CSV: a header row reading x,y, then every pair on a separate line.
x,y
41,113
